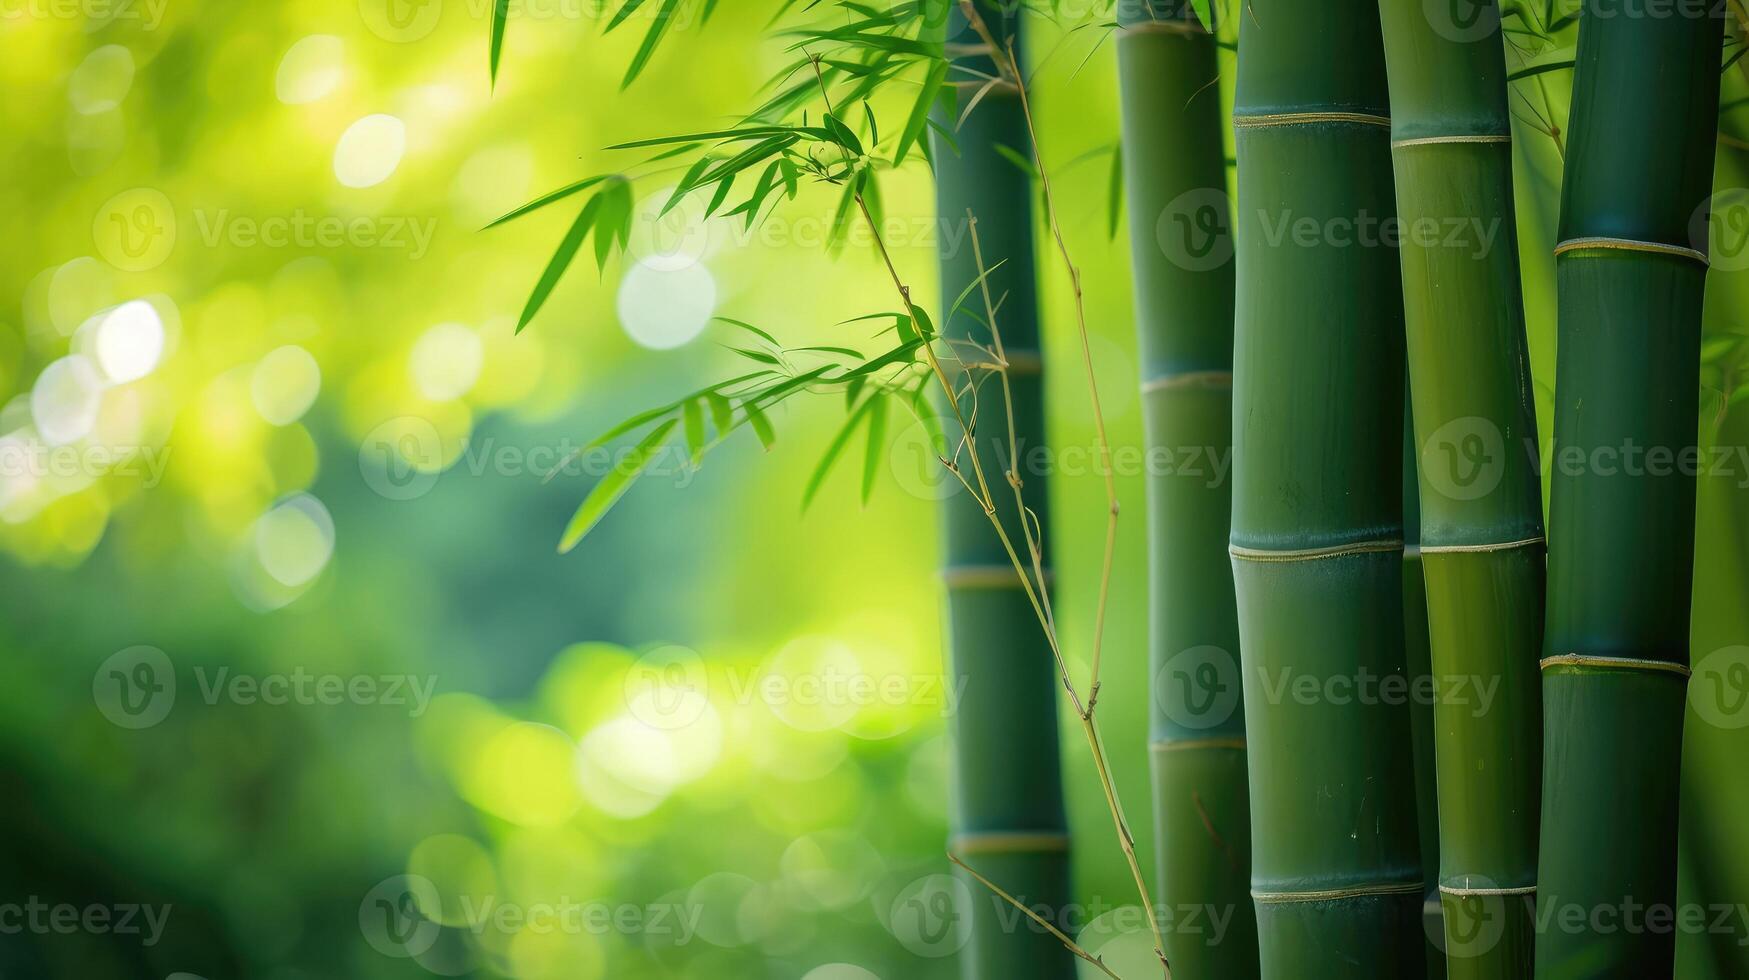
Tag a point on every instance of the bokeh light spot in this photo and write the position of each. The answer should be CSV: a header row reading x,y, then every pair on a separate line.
x,y
666,308
284,384
369,151
311,70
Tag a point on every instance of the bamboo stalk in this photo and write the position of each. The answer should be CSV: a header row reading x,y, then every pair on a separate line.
x,y
1481,530
1181,246
1009,821
1418,659
1317,531
1621,538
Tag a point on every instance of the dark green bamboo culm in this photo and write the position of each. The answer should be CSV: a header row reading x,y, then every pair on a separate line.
x,y
1008,815
1181,243
1317,535
1621,521
1481,531
1418,659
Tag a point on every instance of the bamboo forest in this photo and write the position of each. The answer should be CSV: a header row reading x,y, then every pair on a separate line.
x,y
874,489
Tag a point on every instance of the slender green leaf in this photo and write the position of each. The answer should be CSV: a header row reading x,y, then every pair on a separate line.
x,y
546,199
914,124
664,18
722,412
877,440
692,421
561,260
500,15
833,451
761,424
613,486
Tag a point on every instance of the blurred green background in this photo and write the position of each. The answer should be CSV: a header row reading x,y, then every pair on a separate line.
x,y
282,616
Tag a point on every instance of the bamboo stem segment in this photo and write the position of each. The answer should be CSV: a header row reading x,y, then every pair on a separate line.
x,y
1317,526
1621,544
1181,247
1008,814
1481,529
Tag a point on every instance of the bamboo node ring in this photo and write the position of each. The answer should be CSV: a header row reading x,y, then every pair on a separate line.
x,y
1454,138
1467,549
1316,554
984,577
1468,892
1630,245
1272,119
1616,663
1189,379
1181,28
1381,889
1192,744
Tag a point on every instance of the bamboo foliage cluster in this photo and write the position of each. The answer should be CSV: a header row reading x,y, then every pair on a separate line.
x,y
1372,527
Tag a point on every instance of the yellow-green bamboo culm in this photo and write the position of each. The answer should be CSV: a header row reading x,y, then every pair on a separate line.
x,y
1008,814
1481,535
1181,244
1631,276
1317,535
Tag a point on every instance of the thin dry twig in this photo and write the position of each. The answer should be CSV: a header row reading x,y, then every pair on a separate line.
x,y
1072,946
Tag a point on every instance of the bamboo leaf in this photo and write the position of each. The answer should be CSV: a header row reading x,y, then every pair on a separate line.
x,y
613,486
1548,66
561,260
1116,186
692,421
914,124
833,451
750,328
722,412
877,431
500,15
761,424
664,17
1017,158
546,199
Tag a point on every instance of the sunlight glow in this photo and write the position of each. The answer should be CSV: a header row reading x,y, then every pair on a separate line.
x,y
284,384
65,399
445,362
128,341
666,308
294,540
311,70
369,151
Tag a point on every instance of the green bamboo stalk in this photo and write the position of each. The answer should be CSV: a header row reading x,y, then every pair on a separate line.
x,y
1181,244
1481,546
1418,659
1317,535
1621,536
1009,820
